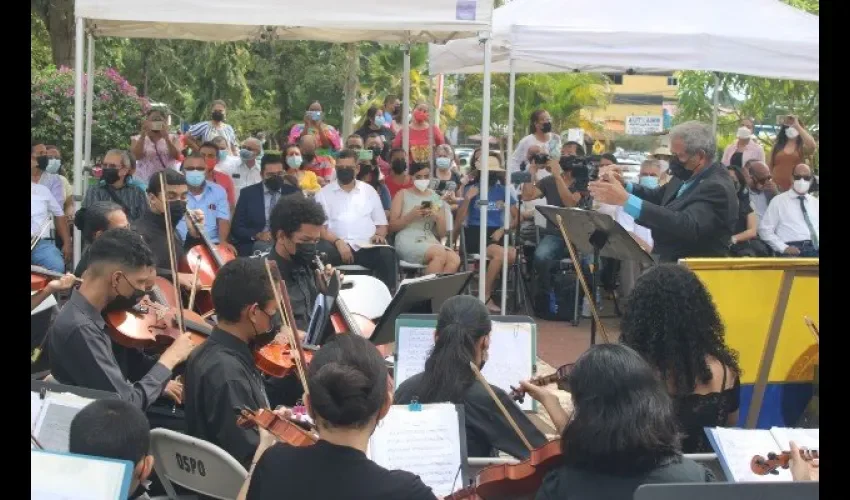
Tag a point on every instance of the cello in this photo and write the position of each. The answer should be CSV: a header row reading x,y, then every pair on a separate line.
x,y
205,259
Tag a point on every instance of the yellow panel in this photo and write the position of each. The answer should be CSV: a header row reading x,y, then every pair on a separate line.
x,y
745,299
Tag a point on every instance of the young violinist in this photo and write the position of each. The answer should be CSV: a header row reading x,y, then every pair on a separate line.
x,y
463,335
622,432
81,351
221,376
92,222
348,395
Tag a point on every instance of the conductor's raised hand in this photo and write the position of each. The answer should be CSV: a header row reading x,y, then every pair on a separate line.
x,y
612,193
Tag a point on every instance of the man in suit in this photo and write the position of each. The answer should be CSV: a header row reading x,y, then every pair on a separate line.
x,y
251,217
694,214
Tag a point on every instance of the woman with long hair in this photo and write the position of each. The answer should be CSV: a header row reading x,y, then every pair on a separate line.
x,y
622,432
745,242
308,181
373,122
349,393
671,320
539,133
463,335
794,144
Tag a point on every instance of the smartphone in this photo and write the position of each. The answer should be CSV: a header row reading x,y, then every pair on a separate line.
x,y
365,155
426,205
156,125
780,119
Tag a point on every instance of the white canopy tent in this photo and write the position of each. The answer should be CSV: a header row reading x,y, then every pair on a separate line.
x,y
338,21
754,37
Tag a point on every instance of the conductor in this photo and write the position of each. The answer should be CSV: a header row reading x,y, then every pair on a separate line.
x,y
694,214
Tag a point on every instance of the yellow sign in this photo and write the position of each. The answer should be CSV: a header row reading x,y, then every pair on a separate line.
x,y
598,148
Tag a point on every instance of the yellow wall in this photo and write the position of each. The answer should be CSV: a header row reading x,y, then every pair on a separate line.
x,y
633,84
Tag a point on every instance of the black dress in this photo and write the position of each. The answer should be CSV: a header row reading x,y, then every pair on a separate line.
x,y
697,411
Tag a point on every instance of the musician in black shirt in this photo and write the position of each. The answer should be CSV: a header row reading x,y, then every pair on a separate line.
x,y
92,222
349,394
221,376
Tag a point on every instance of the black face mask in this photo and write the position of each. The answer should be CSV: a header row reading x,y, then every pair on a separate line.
x,y
110,175
677,169
274,183
308,157
376,152
177,209
217,116
305,252
265,338
399,166
124,303
42,162
546,128
345,175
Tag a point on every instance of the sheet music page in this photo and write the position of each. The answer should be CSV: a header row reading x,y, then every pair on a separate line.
x,y
426,443
54,422
414,345
808,438
35,408
739,446
408,281
510,357
75,477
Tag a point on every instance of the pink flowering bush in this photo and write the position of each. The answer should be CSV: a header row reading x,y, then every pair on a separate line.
x,y
117,111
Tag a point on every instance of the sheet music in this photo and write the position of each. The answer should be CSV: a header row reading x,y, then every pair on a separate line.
x,y
53,424
739,446
414,345
75,477
35,408
426,443
408,281
510,357
808,438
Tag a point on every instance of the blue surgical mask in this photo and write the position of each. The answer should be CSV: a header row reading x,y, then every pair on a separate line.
x,y
195,178
315,115
222,155
246,154
53,166
379,120
294,161
649,181
443,162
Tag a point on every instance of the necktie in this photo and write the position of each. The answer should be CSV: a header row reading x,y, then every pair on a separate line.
x,y
273,196
812,232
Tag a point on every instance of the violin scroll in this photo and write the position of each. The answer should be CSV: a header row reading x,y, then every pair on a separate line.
x,y
774,461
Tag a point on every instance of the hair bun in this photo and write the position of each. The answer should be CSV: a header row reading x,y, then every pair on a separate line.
x,y
343,393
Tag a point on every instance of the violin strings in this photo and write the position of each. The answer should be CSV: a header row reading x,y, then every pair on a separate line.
x,y
279,302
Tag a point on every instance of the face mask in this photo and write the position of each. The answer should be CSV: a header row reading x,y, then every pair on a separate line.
x,y
345,176
265,338
420,115
42,162
677,168
218,116
546,128
274,183
247,155
176,209
649,181
802,186
744,133
376,152
443,162
315,115
308,157
399,166
123,303
294,161
422,184
110,175
53,165
305,252
211,163
791,133
379,121
195,178
222,155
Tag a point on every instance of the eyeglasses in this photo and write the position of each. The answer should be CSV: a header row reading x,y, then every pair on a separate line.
x,y
194,169
111,165
802,177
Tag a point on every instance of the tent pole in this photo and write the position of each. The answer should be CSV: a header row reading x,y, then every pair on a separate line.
x,y
510,150
80,39
483,165
405,106
433,121
716,103
89,101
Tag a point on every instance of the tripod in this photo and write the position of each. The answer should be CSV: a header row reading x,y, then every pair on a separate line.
x,y
521,293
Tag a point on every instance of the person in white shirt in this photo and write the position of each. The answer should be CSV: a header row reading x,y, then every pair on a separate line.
x,y
791,224
761,186
247,171
45,253
356,223
744,149
539,133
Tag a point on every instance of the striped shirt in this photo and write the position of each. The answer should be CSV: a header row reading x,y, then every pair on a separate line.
x,y
206,132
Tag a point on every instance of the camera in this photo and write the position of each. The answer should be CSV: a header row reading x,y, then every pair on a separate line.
x,y
584,169
540,159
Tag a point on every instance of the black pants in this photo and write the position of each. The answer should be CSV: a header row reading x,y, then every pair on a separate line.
x,y
382,261
750,248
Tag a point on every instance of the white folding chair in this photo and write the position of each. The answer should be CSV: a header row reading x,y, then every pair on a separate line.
x,y
368,296
196,465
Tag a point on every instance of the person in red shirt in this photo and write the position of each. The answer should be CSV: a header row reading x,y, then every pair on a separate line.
x,y
420,147
322,166
210,153
398,178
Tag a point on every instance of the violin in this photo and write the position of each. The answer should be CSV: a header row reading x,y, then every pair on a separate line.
x,y
287,430
343,320
40,277
561,376
774,461
153,323
205,260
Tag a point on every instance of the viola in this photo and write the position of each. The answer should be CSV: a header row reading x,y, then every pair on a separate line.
x,y
343,320
40,277
774,461
290,431
205,259
560,377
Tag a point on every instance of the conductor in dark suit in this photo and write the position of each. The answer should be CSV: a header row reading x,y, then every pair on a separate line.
x,y
694,214
250,227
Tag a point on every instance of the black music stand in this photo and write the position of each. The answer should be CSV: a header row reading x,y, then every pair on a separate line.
x,y
598,234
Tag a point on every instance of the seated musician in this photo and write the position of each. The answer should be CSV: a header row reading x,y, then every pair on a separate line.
x,y
622,432
208,197
348,397
81,351
221,376
463,335
115,429
92,222
356,220
53,286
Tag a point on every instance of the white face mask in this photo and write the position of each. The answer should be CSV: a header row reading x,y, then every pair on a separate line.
x,y
744,133
791,133
422,184
802,186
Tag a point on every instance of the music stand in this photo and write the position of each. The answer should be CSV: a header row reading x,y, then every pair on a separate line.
x,y
598,234
423,297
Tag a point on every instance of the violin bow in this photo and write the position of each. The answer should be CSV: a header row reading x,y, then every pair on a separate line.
x,y
502,408
289,326
35,241
587,293
194,285
169,235
812,328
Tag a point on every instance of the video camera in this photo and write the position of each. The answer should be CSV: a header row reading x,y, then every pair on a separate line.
x,y
584,169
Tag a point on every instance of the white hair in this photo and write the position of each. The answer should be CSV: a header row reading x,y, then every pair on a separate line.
x,y
697,137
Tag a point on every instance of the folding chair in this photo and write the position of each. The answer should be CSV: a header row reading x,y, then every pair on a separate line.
x,y
196,465
368,295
